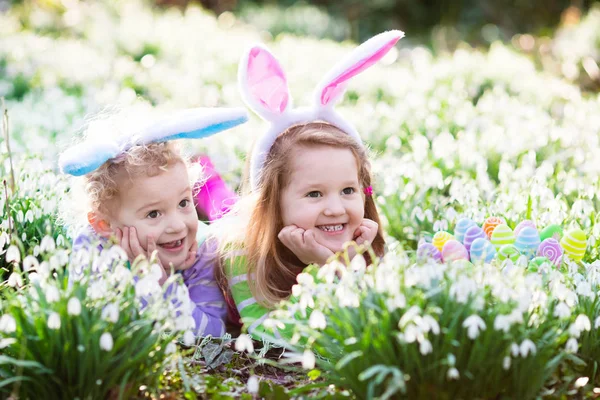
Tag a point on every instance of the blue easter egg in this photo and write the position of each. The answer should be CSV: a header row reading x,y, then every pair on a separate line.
x,y
528,241
473,233
461,228
482,250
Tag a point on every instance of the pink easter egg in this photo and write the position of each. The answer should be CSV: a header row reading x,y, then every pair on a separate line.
x,y
454,250
524,224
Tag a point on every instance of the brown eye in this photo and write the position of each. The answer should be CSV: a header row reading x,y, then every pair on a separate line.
x,y
349,190
153,214
184,203
313,194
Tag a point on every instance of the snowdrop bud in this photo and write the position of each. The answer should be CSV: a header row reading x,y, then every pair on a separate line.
x,y
13,254
110,313
74,306
8,324
506,363
317,320
244,343
29,263
572,346
47,244
188,338
171,348
54,321
52,294
308,359
15,280
453,374
106,341
253,385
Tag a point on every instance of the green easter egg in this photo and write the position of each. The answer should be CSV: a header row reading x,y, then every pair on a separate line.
x,y
508,251
574,243
551,231
537,262
502,236
462,263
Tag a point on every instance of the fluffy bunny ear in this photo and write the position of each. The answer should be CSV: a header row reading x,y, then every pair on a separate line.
x,y
194,123
263,83
86,157
333,86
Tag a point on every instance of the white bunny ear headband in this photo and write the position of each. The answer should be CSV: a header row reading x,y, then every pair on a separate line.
x,y
194,123
264,89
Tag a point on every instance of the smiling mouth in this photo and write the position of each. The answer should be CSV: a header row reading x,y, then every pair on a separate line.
x,y
332,228
174,245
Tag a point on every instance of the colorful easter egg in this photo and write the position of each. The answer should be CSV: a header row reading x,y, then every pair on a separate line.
x,y
574,244
551,231
440,239
537,262
550,249
502,235
528,241
461,228
454,250
490,224
473,233
482,250
427,251
508,252
522,225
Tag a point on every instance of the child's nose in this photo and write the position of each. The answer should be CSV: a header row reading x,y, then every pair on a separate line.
x,y
334,206
175,225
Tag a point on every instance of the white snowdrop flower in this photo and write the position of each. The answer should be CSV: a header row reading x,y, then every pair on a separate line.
x,y
506,363
451,359
20,216
572,346
581,382
305,279
7,342
106,341
583,323
29,216
244,343
74,306
527,346
110,313
411,333
562,310
171,348
514,350
253,385
425,347
317,320
47,244
188,338
30,263
395,302
271,323
8,323
502,323
13,254
54,321
15,280
474,324
52,294
597,323
409,316
358,264
453,374
308,359
60,241
432,324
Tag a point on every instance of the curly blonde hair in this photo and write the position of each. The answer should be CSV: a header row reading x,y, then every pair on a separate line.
x,y
96,191
102,185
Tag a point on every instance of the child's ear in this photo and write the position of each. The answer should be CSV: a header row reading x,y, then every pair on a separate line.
x,y
99,224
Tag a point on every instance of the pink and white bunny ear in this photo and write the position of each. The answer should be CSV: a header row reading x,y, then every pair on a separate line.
x,y
332,87
263,83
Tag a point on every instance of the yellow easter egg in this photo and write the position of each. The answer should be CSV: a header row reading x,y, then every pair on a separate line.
x,y
574,243
440,239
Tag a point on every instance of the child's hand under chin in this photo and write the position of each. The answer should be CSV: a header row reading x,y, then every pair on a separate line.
x,y
365,233
128,240
304,245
